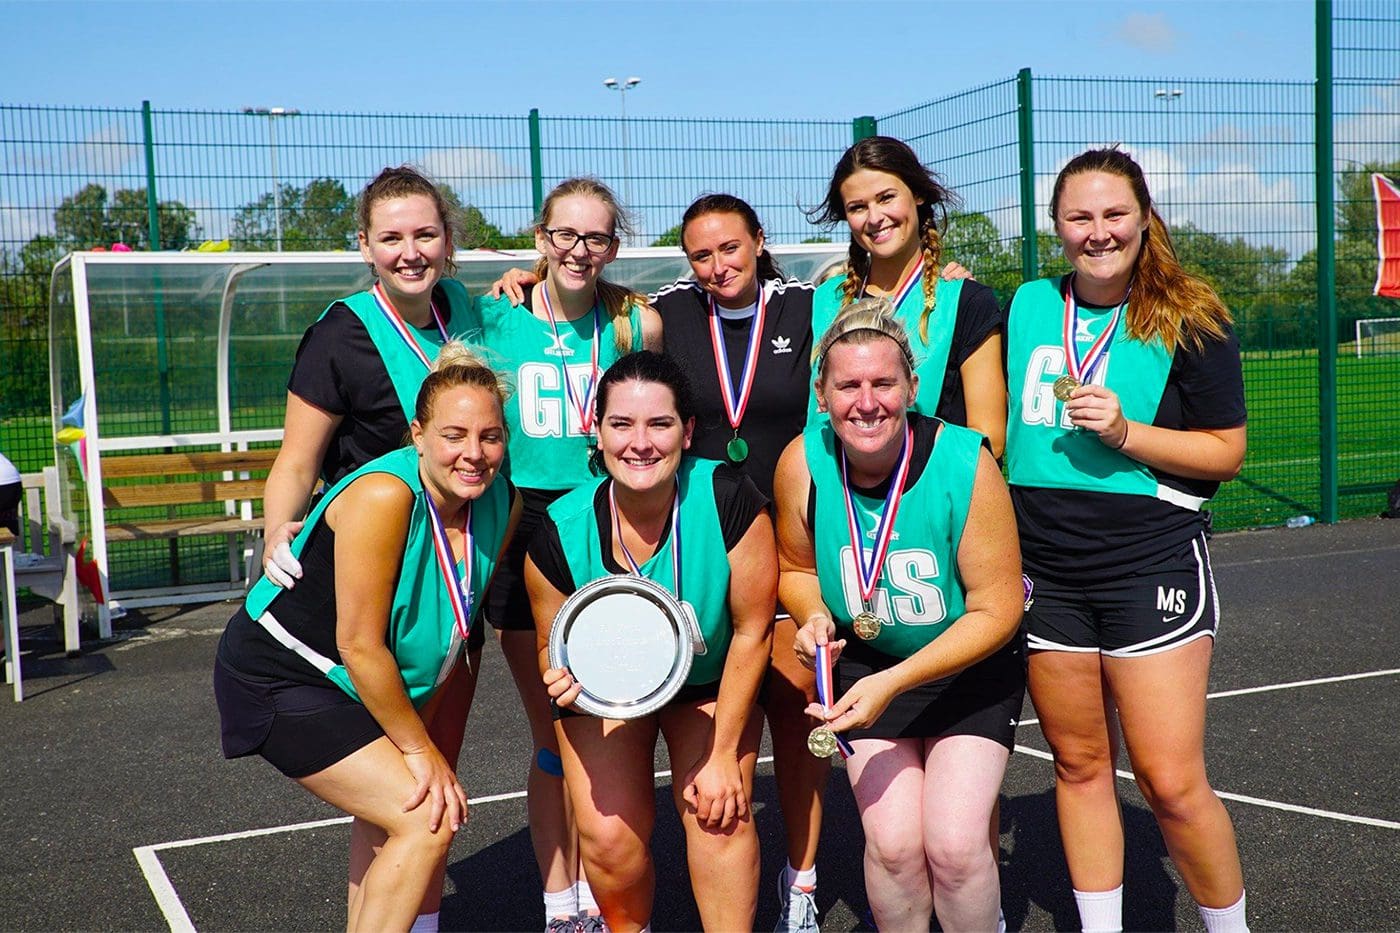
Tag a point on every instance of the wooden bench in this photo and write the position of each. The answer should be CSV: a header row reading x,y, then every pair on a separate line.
x,y
40,559
140,496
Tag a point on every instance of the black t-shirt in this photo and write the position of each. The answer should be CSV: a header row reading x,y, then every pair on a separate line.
x,y
1072,533
338,369
979,317
777,407
737,500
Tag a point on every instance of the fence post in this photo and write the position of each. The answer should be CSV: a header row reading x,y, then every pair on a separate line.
x,y
1326,268
1025,132
863,128
536,162
153,235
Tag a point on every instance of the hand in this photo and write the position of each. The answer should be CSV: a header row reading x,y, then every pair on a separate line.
x,y
819,630
714,789
512,285
278,563
561,686
955,271
861,706
1095,408
437,784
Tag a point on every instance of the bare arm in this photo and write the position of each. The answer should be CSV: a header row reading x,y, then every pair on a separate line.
x,y
1197,453
714,786
798,587
651,329
307,434
512,284
989,563
984,391
370,519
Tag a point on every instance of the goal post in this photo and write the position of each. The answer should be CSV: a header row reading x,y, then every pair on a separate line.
x,y
1377,336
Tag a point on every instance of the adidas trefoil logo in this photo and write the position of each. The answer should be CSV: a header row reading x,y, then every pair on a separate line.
x,y
781,344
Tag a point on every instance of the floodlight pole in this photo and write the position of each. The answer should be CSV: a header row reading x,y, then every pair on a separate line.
x,y
272,113
622,87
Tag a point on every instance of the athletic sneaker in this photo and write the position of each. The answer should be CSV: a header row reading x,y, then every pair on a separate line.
x,y
797,909
590,924
561,925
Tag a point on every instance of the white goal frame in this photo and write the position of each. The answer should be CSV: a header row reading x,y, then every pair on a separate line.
x,y
1369,320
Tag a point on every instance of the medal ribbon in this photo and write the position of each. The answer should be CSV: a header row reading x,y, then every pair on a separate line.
x,y
675,536
826,694
868,572
459,590
1081,369
734,407
911,280
583,407
386,307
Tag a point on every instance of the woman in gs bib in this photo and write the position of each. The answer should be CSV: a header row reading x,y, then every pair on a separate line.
x,y
339,681
897,552
1127,412
555,346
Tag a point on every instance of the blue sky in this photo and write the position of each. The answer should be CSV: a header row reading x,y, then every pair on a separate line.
x,y
795,58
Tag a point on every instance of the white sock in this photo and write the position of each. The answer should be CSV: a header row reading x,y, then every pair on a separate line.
x,y
1001,920
425,923
1100,911
584,893
1225,919
560,904
806,879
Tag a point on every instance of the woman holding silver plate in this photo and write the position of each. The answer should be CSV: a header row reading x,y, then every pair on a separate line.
x,y
897,528
700,530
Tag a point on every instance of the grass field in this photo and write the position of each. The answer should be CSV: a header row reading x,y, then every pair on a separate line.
x,y
1280,477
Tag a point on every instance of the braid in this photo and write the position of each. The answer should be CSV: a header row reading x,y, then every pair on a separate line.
x,y
933,254
857,268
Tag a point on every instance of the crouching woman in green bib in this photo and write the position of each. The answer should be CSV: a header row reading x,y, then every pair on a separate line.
x,y
895,533
1127,412
335,682
701,529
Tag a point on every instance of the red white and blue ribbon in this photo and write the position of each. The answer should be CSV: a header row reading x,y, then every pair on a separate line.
x,y
459,589
911,280
736,398
391,314
582,406
868,571
632,564
826,694
1081,367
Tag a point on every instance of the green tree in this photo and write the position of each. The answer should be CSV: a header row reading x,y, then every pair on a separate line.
x,y
87,219
973,239
319,216
671,237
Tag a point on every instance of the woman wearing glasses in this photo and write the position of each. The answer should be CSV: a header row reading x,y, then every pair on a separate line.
x,y
555,346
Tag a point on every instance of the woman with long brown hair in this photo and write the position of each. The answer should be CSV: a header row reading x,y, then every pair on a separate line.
x,y
1127,412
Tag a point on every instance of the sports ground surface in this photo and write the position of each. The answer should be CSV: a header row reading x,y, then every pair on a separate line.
x,y
119,814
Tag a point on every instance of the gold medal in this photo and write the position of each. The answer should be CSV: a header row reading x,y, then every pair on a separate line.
x,y
1064,387
867,625
821,742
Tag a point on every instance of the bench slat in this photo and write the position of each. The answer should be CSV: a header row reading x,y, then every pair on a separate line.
x,y
190,461
182,493
179,528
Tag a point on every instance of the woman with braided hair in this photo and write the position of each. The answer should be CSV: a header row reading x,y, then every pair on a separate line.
x,y
896,209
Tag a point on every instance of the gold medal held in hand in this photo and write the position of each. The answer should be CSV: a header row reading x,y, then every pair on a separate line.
x,y
821,742
1064,387
867,625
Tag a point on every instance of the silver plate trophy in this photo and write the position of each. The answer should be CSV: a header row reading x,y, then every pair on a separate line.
x,y
628,643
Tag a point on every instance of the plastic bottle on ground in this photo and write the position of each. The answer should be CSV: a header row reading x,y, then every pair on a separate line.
x,y
1300,521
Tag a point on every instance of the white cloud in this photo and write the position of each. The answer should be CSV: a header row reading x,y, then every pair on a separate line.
x,y
19,225
1368,129
469,166
1147,31
104,152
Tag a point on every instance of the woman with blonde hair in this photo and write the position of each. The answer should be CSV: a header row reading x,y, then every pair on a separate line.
x,y
1127,412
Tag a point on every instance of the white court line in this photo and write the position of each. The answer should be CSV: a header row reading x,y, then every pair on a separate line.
x,y
1257,801
168,900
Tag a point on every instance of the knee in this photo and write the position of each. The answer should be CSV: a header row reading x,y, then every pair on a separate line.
x,y
1175,794
1083,763
896,851
616,856
956,854
416,833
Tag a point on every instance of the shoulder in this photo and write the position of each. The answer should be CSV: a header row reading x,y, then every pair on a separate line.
x,y
678,292
830,290
789,288
492,308
575,502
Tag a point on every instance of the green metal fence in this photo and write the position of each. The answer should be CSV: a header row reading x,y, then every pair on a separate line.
x,y
1234,166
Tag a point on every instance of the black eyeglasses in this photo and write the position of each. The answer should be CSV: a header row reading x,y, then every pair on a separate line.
x,y
565,239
